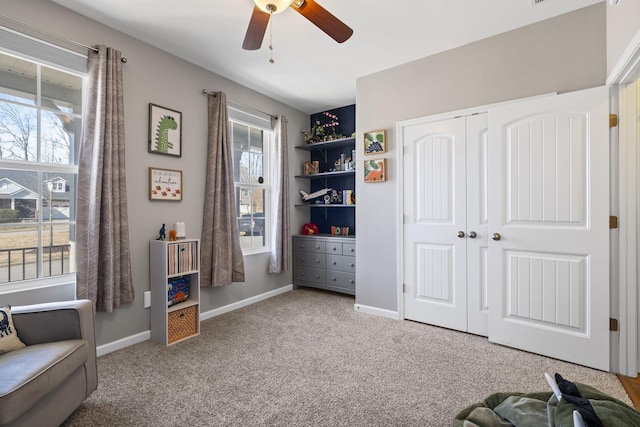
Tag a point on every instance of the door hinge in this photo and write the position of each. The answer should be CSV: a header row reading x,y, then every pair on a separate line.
x,y
613,222
613,120
613,324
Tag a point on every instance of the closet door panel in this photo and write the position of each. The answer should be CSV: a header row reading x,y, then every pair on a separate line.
x,y
477,208
434,212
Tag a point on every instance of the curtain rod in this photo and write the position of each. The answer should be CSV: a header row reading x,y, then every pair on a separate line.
x,y
206,92
52,33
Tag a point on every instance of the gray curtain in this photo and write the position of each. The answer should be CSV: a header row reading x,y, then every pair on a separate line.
x,y
281,233
221,255
102,235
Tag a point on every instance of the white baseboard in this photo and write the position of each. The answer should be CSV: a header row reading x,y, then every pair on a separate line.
x,y
243,303
146,335
101,350
377,311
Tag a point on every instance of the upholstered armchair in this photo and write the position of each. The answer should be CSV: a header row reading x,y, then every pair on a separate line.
x,y
42,383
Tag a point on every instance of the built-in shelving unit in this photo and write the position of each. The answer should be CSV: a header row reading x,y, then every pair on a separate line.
x,y
324,260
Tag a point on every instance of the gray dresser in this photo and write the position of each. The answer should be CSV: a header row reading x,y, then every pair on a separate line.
x,y
325,262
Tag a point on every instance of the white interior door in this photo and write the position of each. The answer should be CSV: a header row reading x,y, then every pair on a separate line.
x,y
477,221
549,202
434,213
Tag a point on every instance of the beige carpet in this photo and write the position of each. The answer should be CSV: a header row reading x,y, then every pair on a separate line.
x,y
306,358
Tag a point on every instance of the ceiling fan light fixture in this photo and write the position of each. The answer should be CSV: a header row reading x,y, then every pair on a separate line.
x,y
273,6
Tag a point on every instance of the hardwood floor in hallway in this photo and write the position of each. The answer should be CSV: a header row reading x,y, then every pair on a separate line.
x,y
632,387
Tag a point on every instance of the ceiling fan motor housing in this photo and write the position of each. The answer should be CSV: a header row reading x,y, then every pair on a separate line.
x,y
273,6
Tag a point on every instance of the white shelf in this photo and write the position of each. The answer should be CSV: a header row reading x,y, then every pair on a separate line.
x,y
168,324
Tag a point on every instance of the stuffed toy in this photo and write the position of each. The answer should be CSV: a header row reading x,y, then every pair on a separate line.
x,y
310,228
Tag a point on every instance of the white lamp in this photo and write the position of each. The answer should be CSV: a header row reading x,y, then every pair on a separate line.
x,y
273,6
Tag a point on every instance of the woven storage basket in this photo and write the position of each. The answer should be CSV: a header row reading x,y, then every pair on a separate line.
x,y
182,323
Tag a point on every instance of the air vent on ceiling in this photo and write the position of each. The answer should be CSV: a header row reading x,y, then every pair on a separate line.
x,y
537,2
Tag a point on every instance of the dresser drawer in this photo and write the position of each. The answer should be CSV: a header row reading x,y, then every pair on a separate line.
x,y
307,274
334,248
309,259
341,279
341,263
309,245
349,249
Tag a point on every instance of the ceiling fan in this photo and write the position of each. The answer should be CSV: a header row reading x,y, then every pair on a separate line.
x,y
311,10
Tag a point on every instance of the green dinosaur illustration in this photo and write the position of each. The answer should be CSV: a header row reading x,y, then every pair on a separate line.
x,y
162,133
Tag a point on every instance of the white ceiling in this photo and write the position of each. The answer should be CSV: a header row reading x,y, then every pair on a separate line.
x,y
311,71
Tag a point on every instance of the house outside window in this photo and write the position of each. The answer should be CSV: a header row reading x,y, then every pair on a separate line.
x,y
252,137
40,126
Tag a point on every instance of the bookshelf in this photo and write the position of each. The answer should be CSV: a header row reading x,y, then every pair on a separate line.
x,y
174,274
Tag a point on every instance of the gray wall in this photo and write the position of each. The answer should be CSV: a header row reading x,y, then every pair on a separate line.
x,y
623,23
153,76
563,54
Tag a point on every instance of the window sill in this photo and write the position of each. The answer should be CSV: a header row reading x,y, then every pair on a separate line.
x,y
256,251
34,284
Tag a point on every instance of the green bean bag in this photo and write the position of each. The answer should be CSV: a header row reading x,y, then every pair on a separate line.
x,y
545,409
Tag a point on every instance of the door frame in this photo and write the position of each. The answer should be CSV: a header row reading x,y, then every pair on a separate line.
x,y
625,198
400,174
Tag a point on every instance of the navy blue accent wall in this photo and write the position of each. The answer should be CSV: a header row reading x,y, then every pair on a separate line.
x,y
346,126
346,117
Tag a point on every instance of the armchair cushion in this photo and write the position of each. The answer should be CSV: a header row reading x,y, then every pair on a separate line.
x,y
8,335
33,371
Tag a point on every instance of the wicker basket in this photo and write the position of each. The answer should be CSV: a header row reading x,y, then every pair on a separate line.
x,y
182,323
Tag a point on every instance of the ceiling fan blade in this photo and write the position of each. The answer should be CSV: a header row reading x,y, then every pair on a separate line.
x,y
257,28
323,19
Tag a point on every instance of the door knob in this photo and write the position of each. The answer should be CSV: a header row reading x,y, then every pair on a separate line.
x,y
461,234
496,236
472,235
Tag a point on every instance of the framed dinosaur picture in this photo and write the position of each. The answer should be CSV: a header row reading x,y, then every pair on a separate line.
x,y
165,131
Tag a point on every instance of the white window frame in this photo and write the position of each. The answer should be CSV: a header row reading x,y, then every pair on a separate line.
x,y
256,119
49,55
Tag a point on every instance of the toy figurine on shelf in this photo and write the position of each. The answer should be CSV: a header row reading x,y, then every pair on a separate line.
x,y
162,233
316,135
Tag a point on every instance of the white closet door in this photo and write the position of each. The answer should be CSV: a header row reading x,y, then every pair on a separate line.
x,y
434,214
549,202
477,220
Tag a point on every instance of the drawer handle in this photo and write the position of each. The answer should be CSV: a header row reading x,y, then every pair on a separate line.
x,y
333,262
302,274
350,249
351,281
301,246
317,261
334,248
317,246
317,276
302,259
181,315
333,278
351,264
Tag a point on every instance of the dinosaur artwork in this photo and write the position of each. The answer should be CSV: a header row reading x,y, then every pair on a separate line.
x,y
166,123
165,131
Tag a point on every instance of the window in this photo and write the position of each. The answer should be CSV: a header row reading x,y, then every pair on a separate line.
x,y
251,142
40,125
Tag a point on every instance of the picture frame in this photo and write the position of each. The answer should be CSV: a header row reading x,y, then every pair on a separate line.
x,y
165,184
375,142
375,170
165,131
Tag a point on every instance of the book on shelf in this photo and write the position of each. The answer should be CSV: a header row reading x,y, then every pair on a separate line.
x,y
182,257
